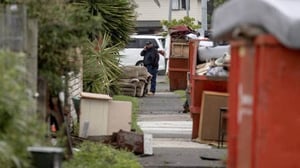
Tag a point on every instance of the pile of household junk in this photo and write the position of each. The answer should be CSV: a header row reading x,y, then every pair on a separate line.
x,y
215,67
134,81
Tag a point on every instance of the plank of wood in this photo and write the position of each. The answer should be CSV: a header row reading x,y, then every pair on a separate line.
x,y
209,116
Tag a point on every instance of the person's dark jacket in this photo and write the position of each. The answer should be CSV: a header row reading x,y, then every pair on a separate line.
x,y
151,56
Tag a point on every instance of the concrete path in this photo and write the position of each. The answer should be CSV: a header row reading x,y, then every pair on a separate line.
x,y
161,115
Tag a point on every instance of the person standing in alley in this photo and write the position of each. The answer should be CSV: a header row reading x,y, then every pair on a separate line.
x,y
151,59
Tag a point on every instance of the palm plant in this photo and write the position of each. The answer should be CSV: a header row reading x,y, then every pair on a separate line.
x,y
114,19
100,66
117,17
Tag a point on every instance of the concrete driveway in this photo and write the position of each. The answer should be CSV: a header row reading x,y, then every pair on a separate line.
x,y
161,115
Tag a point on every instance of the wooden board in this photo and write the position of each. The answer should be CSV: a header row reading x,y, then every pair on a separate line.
x,y
209,116
119,116
180,50
94,111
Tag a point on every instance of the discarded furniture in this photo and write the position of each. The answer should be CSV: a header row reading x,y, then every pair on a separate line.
x,y
94,110
100,115
178,60
134,81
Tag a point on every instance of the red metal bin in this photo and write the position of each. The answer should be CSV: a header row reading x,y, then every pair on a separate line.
x,y
198,84
232,103
263,105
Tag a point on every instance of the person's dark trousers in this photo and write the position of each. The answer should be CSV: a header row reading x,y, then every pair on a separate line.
x,y
153,71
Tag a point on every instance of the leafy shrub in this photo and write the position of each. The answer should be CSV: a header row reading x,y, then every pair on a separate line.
x,y
188,21
96,155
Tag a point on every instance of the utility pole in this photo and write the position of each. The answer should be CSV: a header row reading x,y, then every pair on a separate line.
x,y
170,9
187,5
204,16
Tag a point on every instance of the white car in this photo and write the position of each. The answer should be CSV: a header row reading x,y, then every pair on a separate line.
x,y
131,54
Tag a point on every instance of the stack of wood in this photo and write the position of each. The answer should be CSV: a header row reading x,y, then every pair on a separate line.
x,y
134,81
201,69
219,67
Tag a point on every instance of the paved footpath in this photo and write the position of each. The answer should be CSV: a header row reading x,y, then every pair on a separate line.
x,y
161,115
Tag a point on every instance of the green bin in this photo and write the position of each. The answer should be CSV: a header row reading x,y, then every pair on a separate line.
x,y
46,157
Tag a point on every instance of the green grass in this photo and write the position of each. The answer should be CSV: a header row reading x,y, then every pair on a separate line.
x,y
182,94
135,110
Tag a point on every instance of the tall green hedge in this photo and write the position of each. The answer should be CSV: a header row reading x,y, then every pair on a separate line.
x,y
18,129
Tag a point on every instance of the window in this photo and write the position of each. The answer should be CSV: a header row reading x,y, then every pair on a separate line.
x,y
132,44
142,42
163,42
180,4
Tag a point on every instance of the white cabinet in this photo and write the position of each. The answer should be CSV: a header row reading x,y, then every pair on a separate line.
x,y
94,111
100,115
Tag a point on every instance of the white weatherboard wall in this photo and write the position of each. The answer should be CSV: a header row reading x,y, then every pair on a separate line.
x,y
74,89
147,10
94,109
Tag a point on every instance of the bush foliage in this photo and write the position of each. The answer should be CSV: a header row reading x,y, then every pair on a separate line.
x,y
96,155
18,128
188,21
66,27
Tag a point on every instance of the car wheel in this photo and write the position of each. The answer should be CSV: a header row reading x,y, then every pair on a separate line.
x,y
139,63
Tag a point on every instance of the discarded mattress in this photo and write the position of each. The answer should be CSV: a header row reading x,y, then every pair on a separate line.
x,y
208,53
281,18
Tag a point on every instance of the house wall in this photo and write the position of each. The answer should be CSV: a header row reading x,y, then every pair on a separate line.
x,y
74,90
148,10
20,34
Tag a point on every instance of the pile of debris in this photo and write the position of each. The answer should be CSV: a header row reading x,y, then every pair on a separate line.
x,y
137,143
217,68
134,81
